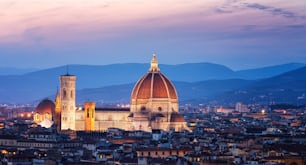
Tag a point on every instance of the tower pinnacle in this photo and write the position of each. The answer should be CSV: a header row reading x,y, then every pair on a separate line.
x,y
57,113
154,64
67,70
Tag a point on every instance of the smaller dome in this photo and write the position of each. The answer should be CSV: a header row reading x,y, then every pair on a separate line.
x,y
176,117
45,106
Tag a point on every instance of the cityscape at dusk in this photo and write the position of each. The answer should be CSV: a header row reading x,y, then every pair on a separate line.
x,y
134,82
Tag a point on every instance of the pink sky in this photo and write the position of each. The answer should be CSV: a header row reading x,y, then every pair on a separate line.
x,y
65,27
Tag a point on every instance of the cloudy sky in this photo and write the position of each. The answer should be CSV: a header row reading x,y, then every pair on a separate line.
x,y
237,33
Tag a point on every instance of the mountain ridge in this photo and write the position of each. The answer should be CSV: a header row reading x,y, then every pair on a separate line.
x,y
39,84
289,87
15,71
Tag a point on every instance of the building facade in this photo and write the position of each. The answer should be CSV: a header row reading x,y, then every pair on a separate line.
x,y
154,105
67,101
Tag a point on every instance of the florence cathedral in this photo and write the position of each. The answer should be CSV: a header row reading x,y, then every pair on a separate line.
x,y
154,105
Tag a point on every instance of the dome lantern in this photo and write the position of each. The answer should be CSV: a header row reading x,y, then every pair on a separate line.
x,y
154,64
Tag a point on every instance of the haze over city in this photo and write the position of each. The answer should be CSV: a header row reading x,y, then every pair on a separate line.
x,y
237,33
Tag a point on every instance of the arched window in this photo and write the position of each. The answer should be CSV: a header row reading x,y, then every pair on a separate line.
x,y
160,109
143,108
47,116
71,94
36,116
87,113
64,94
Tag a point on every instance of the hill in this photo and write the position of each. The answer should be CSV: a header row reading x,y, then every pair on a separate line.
x,y
15,71
211,77
39,84
266,72
289,87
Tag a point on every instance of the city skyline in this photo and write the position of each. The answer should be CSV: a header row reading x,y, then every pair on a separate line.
x,y
153,82
240,34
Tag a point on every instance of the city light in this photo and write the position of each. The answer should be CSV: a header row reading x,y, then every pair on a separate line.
x,y
263,111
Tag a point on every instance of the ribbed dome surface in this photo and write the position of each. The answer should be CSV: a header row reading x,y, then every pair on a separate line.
x,y
154,85
45,106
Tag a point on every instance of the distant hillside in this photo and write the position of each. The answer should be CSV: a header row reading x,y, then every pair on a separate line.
x,y
89,76
15,71
289,87
39,84
194,72
42,83
108,94
266,72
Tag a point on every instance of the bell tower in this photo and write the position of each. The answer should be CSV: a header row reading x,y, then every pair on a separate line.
x,y
89,110
67,95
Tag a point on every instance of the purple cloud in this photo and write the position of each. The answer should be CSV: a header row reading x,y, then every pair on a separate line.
x,y
274,10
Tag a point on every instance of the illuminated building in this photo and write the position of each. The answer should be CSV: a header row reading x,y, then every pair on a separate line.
x,y
57,115
154,102
89,115
67,101
43,113
154,105
240,107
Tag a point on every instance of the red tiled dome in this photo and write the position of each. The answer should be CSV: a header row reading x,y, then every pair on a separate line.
x,y
154,85
45,106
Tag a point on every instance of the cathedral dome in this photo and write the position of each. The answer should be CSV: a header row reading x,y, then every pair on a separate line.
x,y
45,106
154,84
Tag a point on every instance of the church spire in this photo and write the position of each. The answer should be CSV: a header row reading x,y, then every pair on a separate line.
x,y
67,70
154,64
57,96
57,113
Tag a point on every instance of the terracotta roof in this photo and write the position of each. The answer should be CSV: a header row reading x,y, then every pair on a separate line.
x,y
154,85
